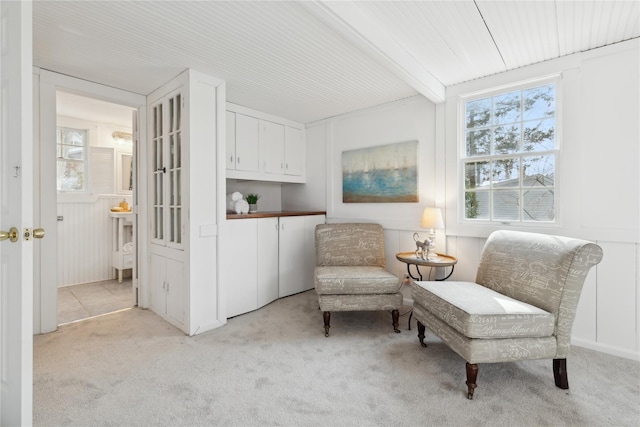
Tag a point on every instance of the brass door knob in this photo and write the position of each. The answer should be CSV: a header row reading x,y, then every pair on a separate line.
x,y
12,235
38,233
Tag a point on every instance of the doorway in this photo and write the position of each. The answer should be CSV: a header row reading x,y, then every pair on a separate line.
x,y
94,195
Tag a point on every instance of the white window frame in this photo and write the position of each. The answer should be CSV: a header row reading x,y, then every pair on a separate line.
x,y
462,157
84,161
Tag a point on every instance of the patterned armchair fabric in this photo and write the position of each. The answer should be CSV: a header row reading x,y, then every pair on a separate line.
x,y
521,306
351,273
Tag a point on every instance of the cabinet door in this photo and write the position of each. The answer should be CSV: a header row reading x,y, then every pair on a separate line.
x,y
267,260
310,223
247,143
174,167
165,173
156,171
158,284
240,277
294,152
175,289
231,139
272,147
291,255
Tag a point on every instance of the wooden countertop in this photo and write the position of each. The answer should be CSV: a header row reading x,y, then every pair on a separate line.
x,y
272,214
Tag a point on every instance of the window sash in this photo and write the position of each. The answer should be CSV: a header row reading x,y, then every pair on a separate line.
x,y
511,192
64,160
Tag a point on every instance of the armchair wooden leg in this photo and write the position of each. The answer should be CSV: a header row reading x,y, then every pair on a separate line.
x,y
560,373
472,375
395,315
421,333
327,317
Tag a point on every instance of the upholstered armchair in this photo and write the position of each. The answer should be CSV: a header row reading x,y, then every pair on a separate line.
x,y
521,306
350,273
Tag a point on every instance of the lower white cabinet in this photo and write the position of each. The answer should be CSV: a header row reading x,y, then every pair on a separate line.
x,y
240,273
291,255
297,253
168,293
310,223
268,258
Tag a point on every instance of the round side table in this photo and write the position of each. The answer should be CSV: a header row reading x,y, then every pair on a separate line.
x,y
441,260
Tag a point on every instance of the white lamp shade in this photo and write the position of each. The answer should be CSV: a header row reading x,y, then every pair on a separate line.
x,y
432,218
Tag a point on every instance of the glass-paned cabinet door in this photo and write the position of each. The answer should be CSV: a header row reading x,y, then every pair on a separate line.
x,y
157,174
166,172
175,170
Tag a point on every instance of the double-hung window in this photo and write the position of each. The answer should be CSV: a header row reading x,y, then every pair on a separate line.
x,y
509,155
71,146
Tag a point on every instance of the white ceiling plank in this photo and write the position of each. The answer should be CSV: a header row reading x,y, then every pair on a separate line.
x,y
588,25
355,25
448,38
525,32
280,58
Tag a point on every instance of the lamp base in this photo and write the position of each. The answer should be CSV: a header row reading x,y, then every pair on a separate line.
x,y
431,244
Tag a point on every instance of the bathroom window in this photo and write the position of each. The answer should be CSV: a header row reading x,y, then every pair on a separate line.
x,y
71,148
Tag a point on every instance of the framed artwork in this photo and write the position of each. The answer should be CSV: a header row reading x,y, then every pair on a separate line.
x,y
382,174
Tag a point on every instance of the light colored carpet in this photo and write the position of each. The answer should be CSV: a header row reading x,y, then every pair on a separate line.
x,y
275,367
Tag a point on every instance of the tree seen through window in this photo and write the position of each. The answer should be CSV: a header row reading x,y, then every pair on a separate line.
x,y
509,161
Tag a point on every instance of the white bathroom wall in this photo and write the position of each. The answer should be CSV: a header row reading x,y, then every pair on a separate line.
x,y
84,226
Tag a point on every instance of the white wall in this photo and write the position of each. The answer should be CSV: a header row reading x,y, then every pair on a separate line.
x,y
597,183
598,180
406,120
270,193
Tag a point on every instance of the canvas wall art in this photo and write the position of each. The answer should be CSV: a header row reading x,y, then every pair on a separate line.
x,y
382,174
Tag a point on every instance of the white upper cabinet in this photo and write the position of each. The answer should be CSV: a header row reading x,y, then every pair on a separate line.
x,y
294,151
247,143
272,147
263,147
231,139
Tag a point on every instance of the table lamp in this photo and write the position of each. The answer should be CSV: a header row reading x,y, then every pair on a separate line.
x,y
432,220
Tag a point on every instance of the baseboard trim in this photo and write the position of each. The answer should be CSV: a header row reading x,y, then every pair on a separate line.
x,y
603,348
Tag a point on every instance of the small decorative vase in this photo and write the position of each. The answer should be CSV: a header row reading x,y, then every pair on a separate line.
x,y
253,208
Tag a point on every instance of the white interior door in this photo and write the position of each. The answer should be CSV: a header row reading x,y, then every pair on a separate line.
x,y
16,210
134,207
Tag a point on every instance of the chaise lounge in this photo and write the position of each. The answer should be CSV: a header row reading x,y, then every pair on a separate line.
x,y
521,306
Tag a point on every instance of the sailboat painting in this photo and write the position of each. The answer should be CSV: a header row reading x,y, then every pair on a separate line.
x,y
382,174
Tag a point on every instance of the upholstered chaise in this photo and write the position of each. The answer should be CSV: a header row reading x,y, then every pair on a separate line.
x,y
351,273
521,306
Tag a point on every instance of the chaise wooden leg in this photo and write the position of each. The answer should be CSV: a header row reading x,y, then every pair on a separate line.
x,y
472,375
395,315
421,333
327,317
560,373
